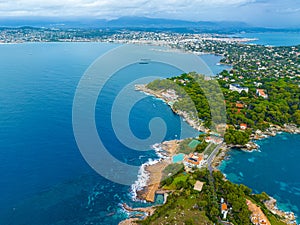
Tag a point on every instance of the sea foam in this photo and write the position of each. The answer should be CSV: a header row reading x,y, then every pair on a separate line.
x,y
143,175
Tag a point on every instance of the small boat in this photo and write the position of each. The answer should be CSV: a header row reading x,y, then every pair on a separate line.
x,y
145,61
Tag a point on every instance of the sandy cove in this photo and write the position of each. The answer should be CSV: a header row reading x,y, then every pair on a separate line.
x,y
155,171
170,147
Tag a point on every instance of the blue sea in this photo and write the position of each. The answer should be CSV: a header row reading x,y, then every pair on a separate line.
x,y
44,178
273,38
274,169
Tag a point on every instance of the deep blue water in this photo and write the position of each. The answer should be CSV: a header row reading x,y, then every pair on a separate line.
x,y
44,178
274,169
274,38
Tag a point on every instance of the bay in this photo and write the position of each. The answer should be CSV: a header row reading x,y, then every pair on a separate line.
x,y
273,38
274,169
44,178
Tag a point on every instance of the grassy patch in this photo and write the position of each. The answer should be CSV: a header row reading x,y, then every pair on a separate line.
x,y
172,170
179,178
181,211
274,221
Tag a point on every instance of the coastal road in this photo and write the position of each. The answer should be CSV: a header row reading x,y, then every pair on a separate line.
x,y
212,156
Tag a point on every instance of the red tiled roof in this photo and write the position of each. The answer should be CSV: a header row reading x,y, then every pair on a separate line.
x,y
239,105
224,206
243,125
261,92
194,160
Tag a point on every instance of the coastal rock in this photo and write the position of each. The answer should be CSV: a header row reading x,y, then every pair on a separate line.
x,y
193,121
287,217
143,213
250,146
130,221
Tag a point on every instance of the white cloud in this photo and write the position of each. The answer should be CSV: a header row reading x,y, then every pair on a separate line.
x,y
256,12
288,10
108,8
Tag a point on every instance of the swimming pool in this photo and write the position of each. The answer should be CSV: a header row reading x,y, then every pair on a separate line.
x,y
178,158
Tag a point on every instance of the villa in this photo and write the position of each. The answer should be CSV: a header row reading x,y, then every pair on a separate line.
x,y
238,88
243,126
224,210
239,107
194,160
261,93
170,95
214,139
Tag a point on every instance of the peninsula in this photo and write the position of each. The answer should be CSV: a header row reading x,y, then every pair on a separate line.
x,y
261,95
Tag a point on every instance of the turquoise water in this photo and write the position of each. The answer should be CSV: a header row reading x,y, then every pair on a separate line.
x,y
44,178
178,158
274,38
274,169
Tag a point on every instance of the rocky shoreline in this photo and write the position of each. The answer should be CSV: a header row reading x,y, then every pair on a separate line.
x,y
250,146
287,217
168,150
272,131
158,94
142,214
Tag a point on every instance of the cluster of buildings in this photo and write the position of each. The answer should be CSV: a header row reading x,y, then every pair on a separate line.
x,y
239,89
258,62
170,96
214,139
257,215
194,160
253,60
27,34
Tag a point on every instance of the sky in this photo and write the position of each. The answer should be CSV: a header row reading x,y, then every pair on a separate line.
x,y
267,13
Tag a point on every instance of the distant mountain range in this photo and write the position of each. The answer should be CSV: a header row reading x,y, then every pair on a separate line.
x,y
135,23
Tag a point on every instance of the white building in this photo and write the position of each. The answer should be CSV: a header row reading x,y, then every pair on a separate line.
x,y
214,139
238,88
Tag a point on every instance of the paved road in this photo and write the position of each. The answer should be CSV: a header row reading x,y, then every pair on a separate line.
x,y
212,156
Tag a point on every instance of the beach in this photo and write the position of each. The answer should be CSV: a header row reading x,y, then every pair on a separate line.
x,y
149,182
168,149
155,171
